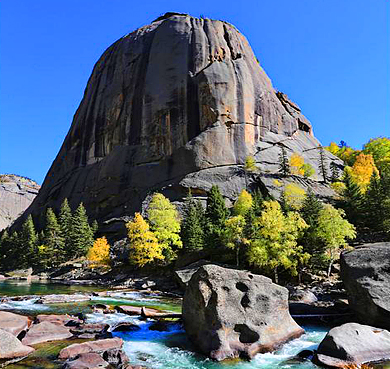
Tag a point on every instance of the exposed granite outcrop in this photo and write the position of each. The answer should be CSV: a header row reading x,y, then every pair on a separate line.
x,y
16,195
177,104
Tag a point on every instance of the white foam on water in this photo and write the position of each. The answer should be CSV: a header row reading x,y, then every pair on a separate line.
x,y
110,319
29,305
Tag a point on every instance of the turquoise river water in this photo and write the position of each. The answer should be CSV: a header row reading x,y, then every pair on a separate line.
x,y
145,347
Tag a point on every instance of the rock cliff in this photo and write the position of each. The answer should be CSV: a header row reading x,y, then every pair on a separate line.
x,y
176,104
16,194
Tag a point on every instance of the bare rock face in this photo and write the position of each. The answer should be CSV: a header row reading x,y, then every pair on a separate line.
x,y
353,344
16,195
176,104
229,313
365,272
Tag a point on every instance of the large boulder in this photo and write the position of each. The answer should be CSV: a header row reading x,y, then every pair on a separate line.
x,y
45,332
176,104
99,346
11,347
13,323
89,360
353,344
365,272
229,313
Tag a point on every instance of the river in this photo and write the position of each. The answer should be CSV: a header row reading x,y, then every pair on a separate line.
x,y
152,349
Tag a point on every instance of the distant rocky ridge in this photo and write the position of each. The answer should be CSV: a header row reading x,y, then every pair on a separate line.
x,y
16,194
175,105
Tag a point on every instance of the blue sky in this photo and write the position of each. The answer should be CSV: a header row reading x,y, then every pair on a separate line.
x,y
332,57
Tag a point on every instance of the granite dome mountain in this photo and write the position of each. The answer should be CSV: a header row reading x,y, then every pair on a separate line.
x,y
176,104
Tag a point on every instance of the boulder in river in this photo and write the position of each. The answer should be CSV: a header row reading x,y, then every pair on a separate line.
x,y
64,319
353,344
45,332
11,347
365,272
229,313
13,323
98,346
88,360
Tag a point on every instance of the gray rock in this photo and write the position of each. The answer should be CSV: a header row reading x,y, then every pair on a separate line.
x,y
303,296
13,323
11,347
176,104
45,332
355,344
89,360
183,275
229,313
365,272
16,194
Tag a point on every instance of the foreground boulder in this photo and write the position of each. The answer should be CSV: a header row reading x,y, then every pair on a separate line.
x,y
13,323
99,346
353,344
11,347
45,332
365,272
229,313
89,360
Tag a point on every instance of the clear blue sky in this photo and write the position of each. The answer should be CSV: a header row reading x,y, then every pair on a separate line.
x,y
332,57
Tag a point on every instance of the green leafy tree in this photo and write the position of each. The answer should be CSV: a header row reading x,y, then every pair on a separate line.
x,y
333,230
284,165
249,167
192,226
144,246
379,148
233,235
53,241
81,236
308,170
250,227
243,203
165,224
28,241
65,223
275,244
216,215
322,164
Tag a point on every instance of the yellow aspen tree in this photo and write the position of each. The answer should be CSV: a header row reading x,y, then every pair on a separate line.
x,y
294,196
362,170
99,253
296,164
144,247
243,203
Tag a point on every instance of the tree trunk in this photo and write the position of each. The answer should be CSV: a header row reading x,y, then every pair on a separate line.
x,y
238,255
330,267
276,275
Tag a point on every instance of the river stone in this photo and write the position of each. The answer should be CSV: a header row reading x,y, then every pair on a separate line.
x,y
176,104
13,323
62,299
64,319
129,310
98,346
353,343
88,360
11,347
45,332
365,272
229,313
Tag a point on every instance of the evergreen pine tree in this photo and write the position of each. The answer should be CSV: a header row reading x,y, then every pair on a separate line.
x,y
250,227
28,241
81,233
54,241
311,207
334,172
3,243
323,169
351,200
284,165
192,232
216,214
12,250
94,227
65,223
